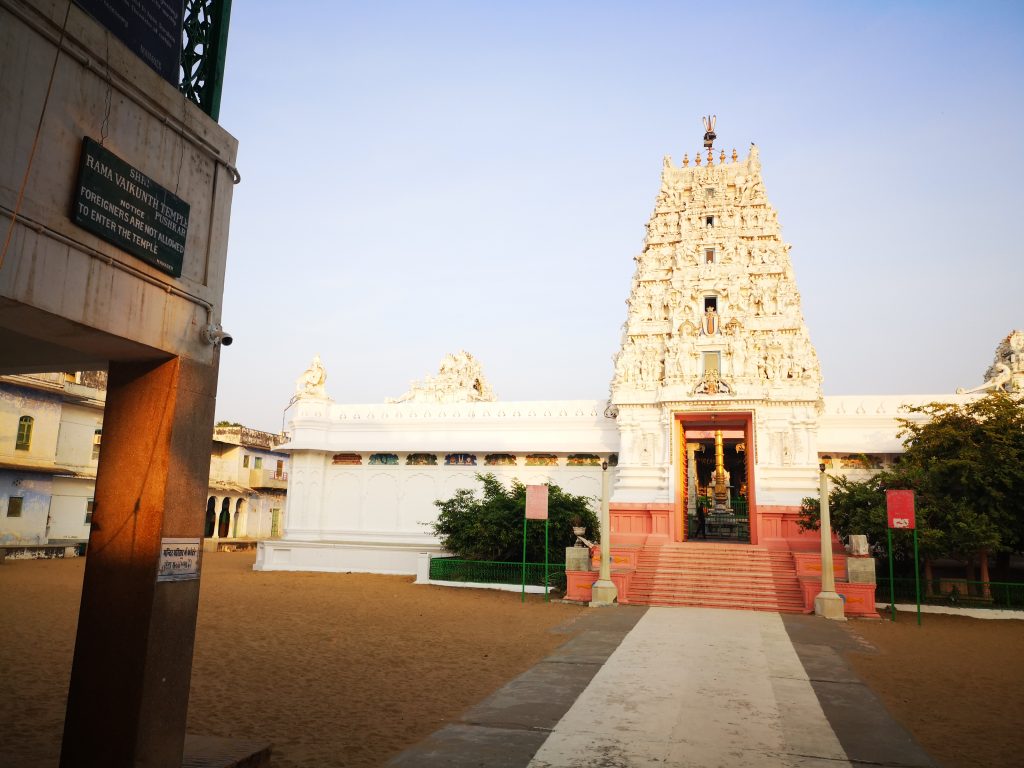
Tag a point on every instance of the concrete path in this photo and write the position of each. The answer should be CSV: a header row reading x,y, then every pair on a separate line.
x,y
697,687
681,687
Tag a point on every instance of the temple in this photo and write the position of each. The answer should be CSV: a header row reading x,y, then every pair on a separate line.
x,y
715,426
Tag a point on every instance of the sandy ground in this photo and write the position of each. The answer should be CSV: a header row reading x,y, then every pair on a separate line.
x,y
334,669
957,684
348,669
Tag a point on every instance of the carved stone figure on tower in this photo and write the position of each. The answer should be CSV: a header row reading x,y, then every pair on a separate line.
x,y
709,323
312,383
460,379
1007,370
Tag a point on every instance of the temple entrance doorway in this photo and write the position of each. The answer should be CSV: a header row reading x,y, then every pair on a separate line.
x,y
716,478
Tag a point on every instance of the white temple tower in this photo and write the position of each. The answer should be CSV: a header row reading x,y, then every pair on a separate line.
x,y
714,340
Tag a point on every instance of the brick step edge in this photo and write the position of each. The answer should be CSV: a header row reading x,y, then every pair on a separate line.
x,y
787,596
793,586
739,606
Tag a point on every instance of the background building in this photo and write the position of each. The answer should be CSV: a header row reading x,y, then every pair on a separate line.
x,y
51,428
51,432
248,482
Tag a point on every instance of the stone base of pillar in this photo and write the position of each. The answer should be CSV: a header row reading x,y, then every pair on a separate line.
x,y
829,605
603,594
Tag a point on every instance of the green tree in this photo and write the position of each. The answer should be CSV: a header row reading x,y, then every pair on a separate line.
x,y
965,463
855,507
858,507
490,526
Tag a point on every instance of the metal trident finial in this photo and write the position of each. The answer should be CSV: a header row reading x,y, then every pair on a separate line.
x,y
709,130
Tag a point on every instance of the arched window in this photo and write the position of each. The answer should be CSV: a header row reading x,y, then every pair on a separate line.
x,y
24,441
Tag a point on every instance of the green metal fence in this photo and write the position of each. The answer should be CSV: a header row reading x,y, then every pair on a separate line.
x,y
490,572
961,592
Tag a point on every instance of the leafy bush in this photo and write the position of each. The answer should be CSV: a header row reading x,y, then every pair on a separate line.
x,y
490,526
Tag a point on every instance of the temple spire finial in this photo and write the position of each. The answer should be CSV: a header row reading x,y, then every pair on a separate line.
x,y
709,130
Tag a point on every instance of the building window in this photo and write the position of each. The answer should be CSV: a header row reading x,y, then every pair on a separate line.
x,y
709,221
89,506
709,255
24,441
14,506
712,361
245,461
257,462
279,471
97,438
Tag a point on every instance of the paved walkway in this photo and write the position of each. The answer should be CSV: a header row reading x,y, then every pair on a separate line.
x,y
681,687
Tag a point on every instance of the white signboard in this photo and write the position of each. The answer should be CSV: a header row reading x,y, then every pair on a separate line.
x,y
179,559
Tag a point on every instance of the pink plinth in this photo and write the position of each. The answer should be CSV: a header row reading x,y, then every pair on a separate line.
x,y
858,599
578,584
621,559
633,524
808,565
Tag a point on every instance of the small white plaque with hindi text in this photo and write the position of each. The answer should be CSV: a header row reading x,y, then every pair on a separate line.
x,y
179,560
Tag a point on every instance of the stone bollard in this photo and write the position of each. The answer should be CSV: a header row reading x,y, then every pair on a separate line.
x,y
577,559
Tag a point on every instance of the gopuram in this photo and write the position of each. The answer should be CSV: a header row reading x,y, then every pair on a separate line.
x,y
717,388
714,430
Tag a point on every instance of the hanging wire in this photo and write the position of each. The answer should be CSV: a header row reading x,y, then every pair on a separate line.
x,y
35,140
181,154
105,125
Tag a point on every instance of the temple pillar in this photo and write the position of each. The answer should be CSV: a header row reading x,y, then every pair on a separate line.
x,y
218,504
128,694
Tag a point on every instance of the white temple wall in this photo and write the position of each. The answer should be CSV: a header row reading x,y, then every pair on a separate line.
x,y
397,502
303,508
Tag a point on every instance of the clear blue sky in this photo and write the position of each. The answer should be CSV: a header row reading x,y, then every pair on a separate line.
x,y
424,177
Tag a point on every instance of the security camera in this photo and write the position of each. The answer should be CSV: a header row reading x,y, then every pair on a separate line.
x,y
214,335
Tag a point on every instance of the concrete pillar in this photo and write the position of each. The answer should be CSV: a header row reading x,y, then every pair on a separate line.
x,y
828,602
423,568
128,695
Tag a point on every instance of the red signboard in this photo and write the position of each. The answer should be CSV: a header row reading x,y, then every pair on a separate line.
x,y
536,502
900,506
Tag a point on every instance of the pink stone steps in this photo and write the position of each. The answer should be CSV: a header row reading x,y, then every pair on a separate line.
x,y
717,576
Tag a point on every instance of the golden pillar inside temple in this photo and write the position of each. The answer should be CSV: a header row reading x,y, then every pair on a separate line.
x,y
721,489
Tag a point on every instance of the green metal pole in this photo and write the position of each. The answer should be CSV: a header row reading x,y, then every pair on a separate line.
x,y
892,578
545,560
917,581
522,598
